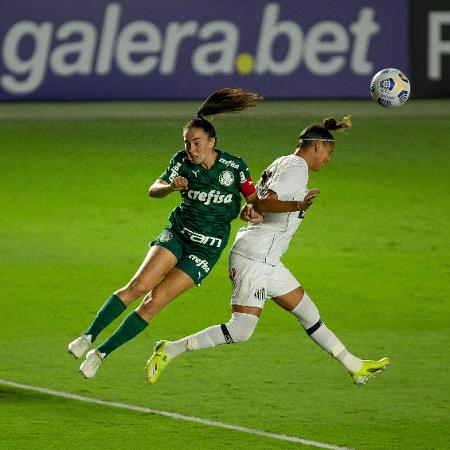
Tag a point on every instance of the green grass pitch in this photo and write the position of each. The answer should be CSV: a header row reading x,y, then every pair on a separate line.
x,y
373,253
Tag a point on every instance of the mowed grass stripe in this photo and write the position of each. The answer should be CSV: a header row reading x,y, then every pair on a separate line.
x,y
183,110
172,415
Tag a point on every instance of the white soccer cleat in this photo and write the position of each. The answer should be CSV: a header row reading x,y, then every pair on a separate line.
x,y
92,362
79,346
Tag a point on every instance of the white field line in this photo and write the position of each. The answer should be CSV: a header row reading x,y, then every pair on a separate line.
x,y
176,416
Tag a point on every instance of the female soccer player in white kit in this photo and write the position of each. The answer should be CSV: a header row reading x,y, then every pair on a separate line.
x,y
256,271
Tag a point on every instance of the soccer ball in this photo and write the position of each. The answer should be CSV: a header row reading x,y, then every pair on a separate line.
x,y
390,87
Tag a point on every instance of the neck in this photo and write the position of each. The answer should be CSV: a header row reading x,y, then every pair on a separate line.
x,y
209,162
305,154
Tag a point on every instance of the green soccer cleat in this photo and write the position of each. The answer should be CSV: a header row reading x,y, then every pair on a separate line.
x,y
157,362
369,369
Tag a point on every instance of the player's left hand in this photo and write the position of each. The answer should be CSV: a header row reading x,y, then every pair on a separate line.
x,y
308,199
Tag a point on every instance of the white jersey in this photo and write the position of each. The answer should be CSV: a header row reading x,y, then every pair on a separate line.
x,y
267,241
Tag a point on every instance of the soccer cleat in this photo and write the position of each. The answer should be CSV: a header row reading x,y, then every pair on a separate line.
x,y
369,369
92,362
157,362
79,346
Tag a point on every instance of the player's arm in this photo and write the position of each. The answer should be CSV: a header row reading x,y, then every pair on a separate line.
x,y
160,188
252,212
249,214
255,207
270,203
247,188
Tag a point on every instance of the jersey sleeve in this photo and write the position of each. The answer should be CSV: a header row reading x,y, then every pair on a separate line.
x,y
289,181
246,183
173,169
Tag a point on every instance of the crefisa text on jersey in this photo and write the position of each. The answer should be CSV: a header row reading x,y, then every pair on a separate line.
x,y
212,196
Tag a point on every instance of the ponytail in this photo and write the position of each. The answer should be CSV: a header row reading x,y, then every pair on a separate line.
x,y
321,132
331,124
228,100
221,101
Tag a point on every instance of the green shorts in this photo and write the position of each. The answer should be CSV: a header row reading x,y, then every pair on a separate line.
x,y
194,259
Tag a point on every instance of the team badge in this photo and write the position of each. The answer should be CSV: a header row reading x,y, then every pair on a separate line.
x,y
166,236
226,178
260,293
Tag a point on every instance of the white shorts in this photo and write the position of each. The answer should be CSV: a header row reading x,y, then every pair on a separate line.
x,y
253,281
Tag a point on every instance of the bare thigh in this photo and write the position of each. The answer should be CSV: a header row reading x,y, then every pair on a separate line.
x,y
174,284
157,264
253,310
290,300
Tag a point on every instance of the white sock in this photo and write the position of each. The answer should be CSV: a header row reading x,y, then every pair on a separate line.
x,y
238,329
210,337
309,317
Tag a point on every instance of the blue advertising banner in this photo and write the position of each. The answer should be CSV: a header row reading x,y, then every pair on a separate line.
x,y
186,49
430,44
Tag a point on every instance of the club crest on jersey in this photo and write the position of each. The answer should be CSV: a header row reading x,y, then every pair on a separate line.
x,y
226,178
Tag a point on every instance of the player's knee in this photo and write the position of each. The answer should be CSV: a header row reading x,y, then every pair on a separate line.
x,y
239,328
137,288
307,313
149,307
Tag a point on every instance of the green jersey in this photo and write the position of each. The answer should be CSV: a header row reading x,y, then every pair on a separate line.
x,y
213,198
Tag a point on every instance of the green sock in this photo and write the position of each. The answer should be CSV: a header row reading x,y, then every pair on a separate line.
x,y
111,309
132,325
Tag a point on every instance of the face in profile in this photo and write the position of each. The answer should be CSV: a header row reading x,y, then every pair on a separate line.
x,y
322,153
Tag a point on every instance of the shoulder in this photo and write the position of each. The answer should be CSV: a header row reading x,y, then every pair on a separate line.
x,y
291,162
180,156
180,160
231,161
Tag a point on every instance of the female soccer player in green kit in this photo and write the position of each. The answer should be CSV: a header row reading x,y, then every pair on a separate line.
x,y
210,182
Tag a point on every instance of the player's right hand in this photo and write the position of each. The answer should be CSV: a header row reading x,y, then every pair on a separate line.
x,y
249,214
309,198
179,184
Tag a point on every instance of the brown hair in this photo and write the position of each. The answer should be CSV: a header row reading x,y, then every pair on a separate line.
x,y
221,101
321,132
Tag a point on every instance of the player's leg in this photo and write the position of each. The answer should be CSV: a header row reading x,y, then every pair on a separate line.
x,y
302,307
156,264
171,286
298,303
247,303
239,328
